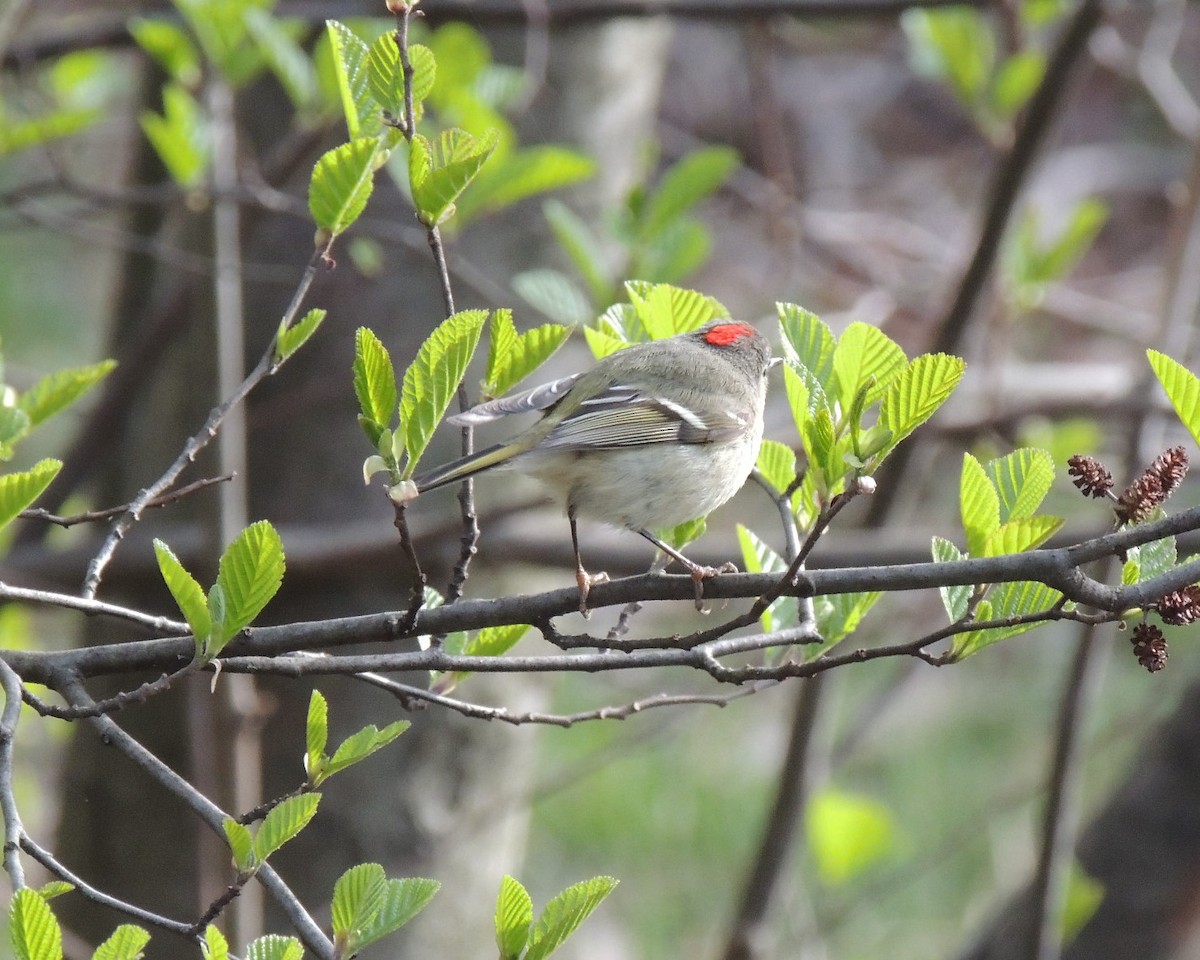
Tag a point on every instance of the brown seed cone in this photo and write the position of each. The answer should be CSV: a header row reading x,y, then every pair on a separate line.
x,y
1180,607
1157,482
1149,646
1089,475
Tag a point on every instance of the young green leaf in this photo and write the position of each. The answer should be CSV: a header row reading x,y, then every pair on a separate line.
x,y
758,557
847,833
674,252
1149,560
565,913
1182,388
55,888
581,246
385,78
275,947
374,378
403,899
954,598
1018,534
777,464
350,69
863,352
523,174
696,176
807,341
277,43
514,918
290,339
522,353
979,504
188,594
126,943
316,734
283,823
1005,601
553,294
358,746
915,395
14,425
602,344
441,170
19,490
842,617
357,898
169,45
342,182
665,310
241,845
59,390
35,932
1021,479
432,378
179,136
249,574
1016,80
215,946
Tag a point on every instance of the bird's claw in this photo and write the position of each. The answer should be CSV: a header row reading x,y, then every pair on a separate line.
x,y
700,574
586,581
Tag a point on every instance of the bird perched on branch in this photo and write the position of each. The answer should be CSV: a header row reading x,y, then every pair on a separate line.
x,y
652,436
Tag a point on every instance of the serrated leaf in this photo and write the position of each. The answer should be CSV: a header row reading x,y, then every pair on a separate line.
x,y
680,535
759,557
179,136
290,339
126,943
1182,389
433,377
523,174
360,745
350,69
316,732
1152,559
170,45
1005,600
553,294
1018,534
35,933
1021,479
863,352
342,182
512,356
602,344
807,341
187,592
1087,218
979,504
374,378
275,947
666,310
496,641
59,390
284,55
357,897
696,176
805,394
250,573
675,252
954,598
514,917
54,888
215,946
284,821
241,844
777,463
565,913
915,395
581,246
843,616
403,899
819,444
385,77
847,833
19,490
439,171
14,425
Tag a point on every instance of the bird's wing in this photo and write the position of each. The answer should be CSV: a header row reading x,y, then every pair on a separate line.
x,y
622,416
527,401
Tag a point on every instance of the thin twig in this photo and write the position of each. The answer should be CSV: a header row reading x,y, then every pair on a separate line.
x,y
92,516
14,831
114,703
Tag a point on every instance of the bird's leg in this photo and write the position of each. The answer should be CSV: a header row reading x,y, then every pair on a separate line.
x,y
585,580
699,573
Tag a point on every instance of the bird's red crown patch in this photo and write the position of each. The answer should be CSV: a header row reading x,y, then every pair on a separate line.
x,y
727,334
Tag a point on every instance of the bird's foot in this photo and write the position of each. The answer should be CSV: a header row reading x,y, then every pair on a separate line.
x,y
586,581
700,574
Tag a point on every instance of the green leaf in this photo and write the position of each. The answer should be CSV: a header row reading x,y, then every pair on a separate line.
x,y
275,947
758,557
1087,218
1083,897
21,134
863,352
1005,600
1019,534
807,341
602,344
954,598
284,55
674,252
439,171
126,943
1021,480
915,395
385,77
14,426
433,377
694,177
19,490
844,614
53,888
171,47
316,733
342,182
402,900
1182,389
284,821
777,463
35,933
290,339
374,378
496,641
581,246
665,310
357,898
59,390
241,845
524,174
514,918
179,136
1150,560
358,746
1016,80
512,356
350,68
214,947
553,294
249,574
979,503
954,44
847,833
565,913
188,594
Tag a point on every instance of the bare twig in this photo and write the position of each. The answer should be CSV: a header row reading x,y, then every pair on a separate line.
x,y
93,516
14,831
158,625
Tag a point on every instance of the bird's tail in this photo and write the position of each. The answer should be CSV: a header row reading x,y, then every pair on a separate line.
x,y
466,466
